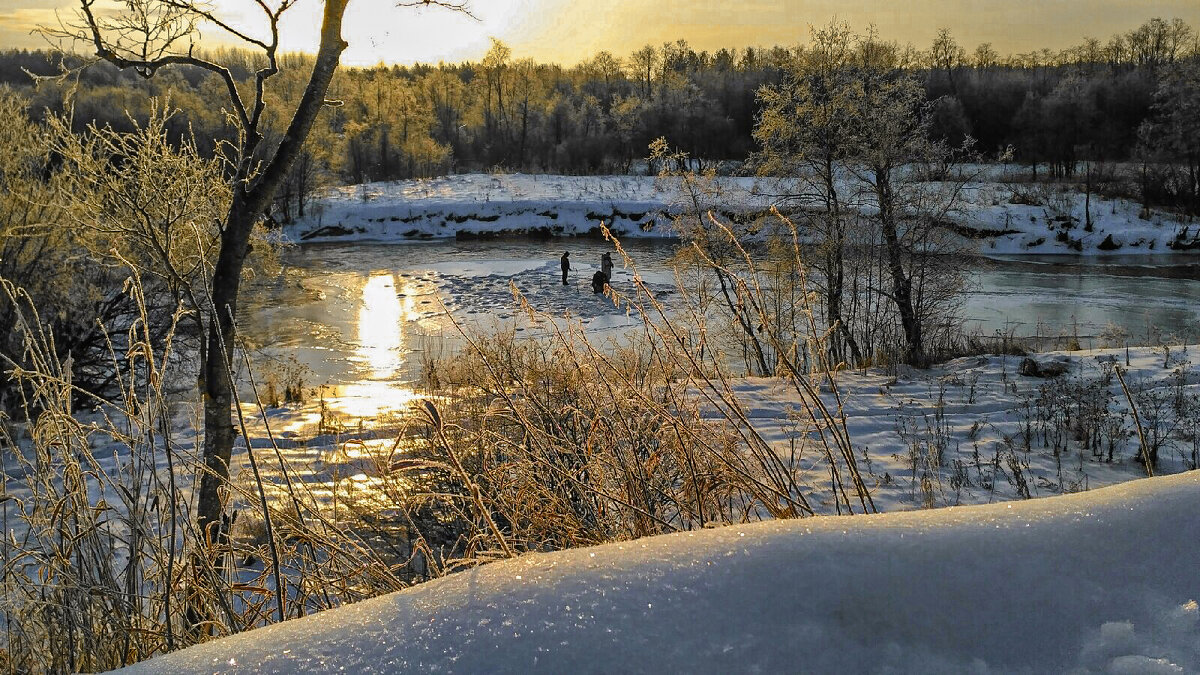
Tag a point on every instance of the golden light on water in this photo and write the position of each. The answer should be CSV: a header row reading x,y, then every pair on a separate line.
x,y
383,315
380,326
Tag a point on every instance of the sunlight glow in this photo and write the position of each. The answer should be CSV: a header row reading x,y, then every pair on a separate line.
x,y
380,331
569,31
381,31
382,318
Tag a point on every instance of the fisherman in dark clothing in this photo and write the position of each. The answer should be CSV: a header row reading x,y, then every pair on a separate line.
x,y
606,266
565,263
599,281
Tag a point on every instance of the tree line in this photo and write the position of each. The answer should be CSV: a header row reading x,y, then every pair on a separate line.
x,y
1098,102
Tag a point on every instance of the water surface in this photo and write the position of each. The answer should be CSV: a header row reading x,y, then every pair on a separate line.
x,y
363,317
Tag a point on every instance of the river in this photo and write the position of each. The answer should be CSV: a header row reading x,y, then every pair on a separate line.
x,y
361,317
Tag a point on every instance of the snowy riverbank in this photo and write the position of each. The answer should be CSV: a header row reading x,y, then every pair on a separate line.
x,y
1001,218
1098,582
971,431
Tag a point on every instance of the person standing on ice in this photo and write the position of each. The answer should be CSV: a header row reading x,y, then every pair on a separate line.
x,y
606,266
565,264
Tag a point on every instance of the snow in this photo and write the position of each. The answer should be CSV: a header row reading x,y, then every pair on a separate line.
x,y
962,424
469,204
1008,218
951,435
1059,224
1103,581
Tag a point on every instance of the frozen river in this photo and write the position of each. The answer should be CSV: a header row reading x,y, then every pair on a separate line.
x,y
362,316
1150,297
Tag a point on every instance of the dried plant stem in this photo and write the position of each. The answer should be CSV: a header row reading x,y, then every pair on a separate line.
x,y
435,419
1137,421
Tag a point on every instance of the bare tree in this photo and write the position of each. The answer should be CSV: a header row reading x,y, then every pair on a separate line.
x,y
985,56
891,135
806,130
147,36
851,127
1173,132
642,63
495,68
945,54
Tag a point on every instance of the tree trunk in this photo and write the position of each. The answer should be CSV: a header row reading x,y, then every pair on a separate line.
x,y
524,131
738,311
218,387
246,208
1145,188
914,349
1087,198
833,307
1194,184
841,332
835,269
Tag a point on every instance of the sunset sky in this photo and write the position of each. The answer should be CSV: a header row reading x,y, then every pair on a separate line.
x,y
567,31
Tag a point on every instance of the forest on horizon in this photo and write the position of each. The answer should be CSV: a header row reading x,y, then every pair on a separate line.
x,y
1094,102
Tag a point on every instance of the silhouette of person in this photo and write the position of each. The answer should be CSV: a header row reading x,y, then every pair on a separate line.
x,y
565,264
606,266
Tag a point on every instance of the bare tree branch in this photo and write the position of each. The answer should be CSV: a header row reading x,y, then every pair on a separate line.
x,y
455,6
154,57
209,16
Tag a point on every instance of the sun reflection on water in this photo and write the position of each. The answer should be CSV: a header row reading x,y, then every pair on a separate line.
x,y
380,328
383,316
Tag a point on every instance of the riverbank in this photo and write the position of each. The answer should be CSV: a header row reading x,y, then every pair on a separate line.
x,y
1079,580
975,430
999,217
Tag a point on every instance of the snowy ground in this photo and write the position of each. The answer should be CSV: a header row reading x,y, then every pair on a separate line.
x,y
1098,582
1011,219
1103,581
971,431
975,431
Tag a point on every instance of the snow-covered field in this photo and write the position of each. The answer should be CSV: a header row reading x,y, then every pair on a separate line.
x,y
1104,581
1011,219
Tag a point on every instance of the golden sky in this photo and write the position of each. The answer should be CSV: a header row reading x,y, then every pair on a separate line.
x,y
567,31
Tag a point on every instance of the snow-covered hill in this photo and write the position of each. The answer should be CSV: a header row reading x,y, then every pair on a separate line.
x,y
1001,218
1103,581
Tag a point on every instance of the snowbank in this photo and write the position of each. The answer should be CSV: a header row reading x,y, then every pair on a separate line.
x,y
1039,219
1002,218
1104,581
483,204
